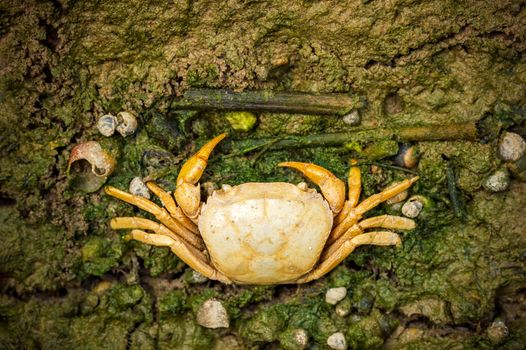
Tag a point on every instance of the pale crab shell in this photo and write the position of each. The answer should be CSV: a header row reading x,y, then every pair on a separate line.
x,y
265,233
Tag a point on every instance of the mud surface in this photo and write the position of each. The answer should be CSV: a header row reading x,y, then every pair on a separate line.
x,y
68,281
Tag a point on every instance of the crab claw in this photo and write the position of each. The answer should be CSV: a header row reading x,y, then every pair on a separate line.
x,y
333,189
187,194
188,197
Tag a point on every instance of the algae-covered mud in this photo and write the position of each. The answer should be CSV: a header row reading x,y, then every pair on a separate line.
x,y
434,68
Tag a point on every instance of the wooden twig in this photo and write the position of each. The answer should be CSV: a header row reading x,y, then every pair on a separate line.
x,y
460,131
453,192
272,101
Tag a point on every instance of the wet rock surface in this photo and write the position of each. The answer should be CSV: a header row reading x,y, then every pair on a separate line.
x,y
68,281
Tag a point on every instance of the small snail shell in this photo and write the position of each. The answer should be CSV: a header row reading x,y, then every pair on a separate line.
x,y
412,208
106,124
126,123
407,156
100,162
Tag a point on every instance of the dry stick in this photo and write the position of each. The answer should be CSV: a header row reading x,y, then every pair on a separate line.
x,y
271,101
461,131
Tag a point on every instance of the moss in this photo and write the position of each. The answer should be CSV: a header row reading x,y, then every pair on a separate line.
x,y
370,332
33,256
173,302
236,303
341,276
375,151
288,341
158,260
265,325
184,333
241,121
99,255
67,63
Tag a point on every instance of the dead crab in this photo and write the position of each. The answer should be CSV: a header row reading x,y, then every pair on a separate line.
x,y
262,233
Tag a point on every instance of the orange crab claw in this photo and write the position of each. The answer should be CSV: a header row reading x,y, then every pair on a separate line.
x,y
187,194
333,189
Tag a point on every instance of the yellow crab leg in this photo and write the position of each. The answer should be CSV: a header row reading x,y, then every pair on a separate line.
x,y
356,213
354,185
382,221
121,223
169,203
382,238
187,194
332,188
160,213
186,253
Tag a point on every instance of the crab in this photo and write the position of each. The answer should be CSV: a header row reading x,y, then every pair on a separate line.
x,y
263,233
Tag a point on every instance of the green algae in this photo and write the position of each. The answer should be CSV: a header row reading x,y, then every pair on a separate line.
x,y
241,121
414,64
99,255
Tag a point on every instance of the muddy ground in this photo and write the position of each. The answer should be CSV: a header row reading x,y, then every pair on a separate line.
x,y
68,281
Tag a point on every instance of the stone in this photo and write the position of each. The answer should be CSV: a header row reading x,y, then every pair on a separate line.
x,y
212,314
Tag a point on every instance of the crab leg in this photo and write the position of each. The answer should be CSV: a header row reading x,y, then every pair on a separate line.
x,y
332,188
160,213
187,194
382,238
186,253
354,184
356,213
382,221
121,223
169,203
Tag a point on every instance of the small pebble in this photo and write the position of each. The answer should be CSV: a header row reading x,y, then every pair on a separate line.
x,y
352,118
138,188
301,337
106,125
212,314
512,146
337,341
498,181
334,295
196,277
412,208
497,331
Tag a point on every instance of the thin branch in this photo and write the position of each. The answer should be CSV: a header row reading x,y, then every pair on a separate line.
x,y
285,102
